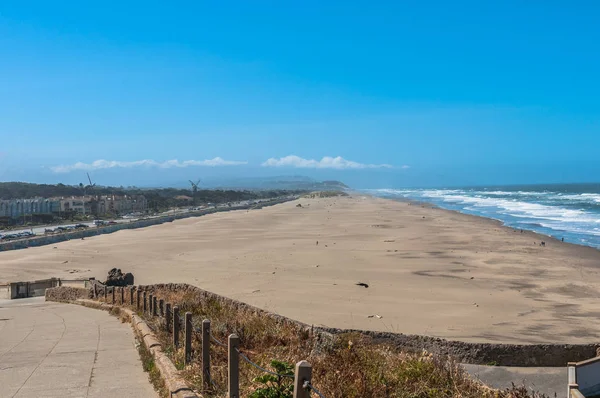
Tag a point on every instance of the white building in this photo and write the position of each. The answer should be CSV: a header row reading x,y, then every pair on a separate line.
x,y
14,208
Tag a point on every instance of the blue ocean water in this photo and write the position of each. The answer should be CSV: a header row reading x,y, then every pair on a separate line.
x,y
570,211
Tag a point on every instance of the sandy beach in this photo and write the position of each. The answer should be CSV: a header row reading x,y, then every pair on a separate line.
x,y
429,271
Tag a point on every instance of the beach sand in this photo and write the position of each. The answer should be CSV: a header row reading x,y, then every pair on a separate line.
x,y
430,271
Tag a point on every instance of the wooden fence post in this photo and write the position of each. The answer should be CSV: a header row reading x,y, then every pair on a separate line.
x,y
302,374
206,353
138,295
122,296
233,358
176,326
154,305
168,319
131,295
112,291
188,338
105,293
150,303
145,303
95,291
161,307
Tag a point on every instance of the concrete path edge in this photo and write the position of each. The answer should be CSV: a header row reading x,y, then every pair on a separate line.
x,y
173,380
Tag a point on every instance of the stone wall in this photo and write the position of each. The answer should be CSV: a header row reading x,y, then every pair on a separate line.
x,y
85,233
473,353
64,294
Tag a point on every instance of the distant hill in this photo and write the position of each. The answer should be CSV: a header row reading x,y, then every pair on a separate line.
x,y
282,182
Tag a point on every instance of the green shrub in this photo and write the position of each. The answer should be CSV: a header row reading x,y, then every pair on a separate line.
x,y
275,386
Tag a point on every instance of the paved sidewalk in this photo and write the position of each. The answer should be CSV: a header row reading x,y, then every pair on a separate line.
x,y
50,349
549,381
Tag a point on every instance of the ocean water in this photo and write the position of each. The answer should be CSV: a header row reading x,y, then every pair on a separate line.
x,y
569,211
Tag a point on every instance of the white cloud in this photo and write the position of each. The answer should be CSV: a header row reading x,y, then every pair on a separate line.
x,y
327,162
111,164
405,167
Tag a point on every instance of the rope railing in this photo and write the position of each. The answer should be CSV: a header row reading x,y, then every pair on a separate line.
x,y
175,323
245,358
217,342
308,386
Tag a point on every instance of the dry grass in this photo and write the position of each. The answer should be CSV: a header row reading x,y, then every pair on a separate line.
x,y
345,366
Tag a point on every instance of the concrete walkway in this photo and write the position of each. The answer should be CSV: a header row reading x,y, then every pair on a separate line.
x,y
549,381
60,350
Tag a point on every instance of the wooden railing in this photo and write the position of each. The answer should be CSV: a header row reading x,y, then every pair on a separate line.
x,y
175,324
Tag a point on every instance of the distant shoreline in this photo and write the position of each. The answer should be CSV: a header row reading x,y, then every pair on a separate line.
x,y
503,223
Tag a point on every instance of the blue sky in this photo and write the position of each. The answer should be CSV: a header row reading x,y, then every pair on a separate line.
x,y
402,93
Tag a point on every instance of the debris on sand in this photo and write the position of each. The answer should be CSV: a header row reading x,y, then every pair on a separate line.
x,y
388,241
66,261
375,316
472,277
362,284
256,291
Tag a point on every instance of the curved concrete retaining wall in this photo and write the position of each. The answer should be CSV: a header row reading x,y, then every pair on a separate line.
x,y
51,239
555,355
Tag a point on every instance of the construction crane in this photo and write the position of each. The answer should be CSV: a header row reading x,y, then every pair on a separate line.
x,y
90,189
91,186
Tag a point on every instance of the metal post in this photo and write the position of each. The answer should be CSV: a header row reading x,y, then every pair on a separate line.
x,y
206,353
188,338
234,366
168,315
112,291
145,303
572,377
302,374
161,307
176,327
122,296
154,305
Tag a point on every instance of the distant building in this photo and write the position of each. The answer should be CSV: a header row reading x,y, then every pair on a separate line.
x,y
76,204
15,208
113,204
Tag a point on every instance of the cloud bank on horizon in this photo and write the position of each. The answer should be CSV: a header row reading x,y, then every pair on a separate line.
x,y
291,161
111,164
326,162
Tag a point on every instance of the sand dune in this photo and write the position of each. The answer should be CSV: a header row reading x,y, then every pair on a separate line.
x,y
429,271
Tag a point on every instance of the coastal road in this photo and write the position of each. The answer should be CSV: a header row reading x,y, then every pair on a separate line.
x,y
50,349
